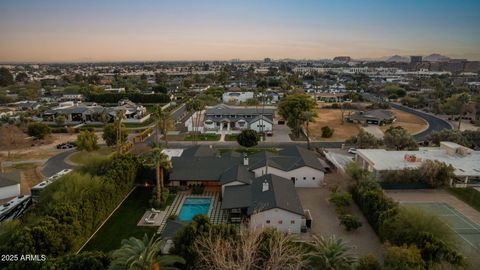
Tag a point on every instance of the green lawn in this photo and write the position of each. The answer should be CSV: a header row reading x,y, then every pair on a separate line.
x,y
83,156
203,137
468,195
123,223
148,122
231,137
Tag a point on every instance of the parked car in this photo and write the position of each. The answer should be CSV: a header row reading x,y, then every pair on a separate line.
x,y
352,151
66,145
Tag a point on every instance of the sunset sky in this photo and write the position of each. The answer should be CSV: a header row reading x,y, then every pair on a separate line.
x,y
63,30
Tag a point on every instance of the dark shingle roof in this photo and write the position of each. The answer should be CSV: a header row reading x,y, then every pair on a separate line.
x,y
287,159
280,193
236,173
203,168
225,110
236,197
9,179
199,151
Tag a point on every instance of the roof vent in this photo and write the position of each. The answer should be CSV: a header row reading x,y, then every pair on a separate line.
x,y
265,186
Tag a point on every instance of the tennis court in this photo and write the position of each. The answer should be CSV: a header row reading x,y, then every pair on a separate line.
x,y
467,231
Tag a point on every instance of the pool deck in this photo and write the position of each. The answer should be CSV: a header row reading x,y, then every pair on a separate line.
x,y
215,212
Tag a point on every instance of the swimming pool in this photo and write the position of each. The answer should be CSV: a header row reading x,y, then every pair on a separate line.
x,y
194,206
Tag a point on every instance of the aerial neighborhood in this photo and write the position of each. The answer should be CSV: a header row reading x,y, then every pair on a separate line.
x,y
197,161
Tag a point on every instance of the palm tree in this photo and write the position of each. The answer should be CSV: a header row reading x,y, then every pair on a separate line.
x,y
195,106
463,100
143,255
158,160
309,117
163,122
331,253
119,117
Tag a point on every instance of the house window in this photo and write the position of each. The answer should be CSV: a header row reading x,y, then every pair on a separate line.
x,y
268,221
292,221
304,178
313,178
280,222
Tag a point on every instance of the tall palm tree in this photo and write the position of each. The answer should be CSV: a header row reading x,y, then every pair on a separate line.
x,y
158,160
143,255
163,122
196,106
119,117
309,117
331,253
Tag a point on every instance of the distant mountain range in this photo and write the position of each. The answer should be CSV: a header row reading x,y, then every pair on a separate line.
x,y
434,57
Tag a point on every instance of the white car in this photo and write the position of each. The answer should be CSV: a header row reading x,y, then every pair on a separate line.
x,y
352,151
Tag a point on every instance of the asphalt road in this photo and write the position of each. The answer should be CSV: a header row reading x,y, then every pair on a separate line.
x,y
435,123
56,163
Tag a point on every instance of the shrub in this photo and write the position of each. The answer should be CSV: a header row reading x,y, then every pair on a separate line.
x,y
343,199
327,132
38,130
87,140
350,222
403,258
367,262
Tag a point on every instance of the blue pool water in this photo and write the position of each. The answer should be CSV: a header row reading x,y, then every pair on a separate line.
x,y
194,206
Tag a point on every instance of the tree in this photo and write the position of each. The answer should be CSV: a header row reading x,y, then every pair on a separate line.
x,y
450,135
397,138
143,255
251,249
357,173
327,132
158,160
60,119
367,262
38,130
87,141
120,114
463,100
85,260
248,138
163,122
403,258
364,140
21,77
330,254
195,106
110,134
293,107
309,118
11,136
437,173
6,78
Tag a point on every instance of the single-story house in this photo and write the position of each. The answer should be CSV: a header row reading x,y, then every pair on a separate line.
x,y
376,117
464,160
229,118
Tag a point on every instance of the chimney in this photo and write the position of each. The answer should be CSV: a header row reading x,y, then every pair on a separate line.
x,y
265,186
245,160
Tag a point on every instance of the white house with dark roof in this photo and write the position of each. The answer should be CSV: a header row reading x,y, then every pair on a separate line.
x,y
223,118
259,187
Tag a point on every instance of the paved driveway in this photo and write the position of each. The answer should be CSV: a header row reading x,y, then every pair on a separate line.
x,y
280,134
325,222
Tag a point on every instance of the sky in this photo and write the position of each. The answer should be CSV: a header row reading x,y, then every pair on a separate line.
x,y
157,30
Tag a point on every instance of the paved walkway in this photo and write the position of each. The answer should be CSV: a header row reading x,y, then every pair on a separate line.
x,y
435,195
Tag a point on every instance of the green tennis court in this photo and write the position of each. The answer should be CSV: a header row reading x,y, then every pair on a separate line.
x,y
467,231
